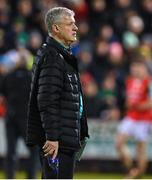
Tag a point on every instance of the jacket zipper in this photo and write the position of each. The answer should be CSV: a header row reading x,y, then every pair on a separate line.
x,y
79,124
84,111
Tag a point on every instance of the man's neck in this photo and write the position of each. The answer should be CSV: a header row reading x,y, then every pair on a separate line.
x,y
60,42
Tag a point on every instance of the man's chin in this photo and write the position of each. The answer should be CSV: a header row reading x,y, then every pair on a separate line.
x,y
73,40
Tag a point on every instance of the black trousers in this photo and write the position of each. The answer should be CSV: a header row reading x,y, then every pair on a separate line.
x,y
15,130
66,165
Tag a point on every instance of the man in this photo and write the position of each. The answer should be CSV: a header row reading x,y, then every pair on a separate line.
x,y
136,123
15,87
57,119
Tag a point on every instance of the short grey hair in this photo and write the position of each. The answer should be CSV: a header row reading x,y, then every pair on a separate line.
x,y
54,16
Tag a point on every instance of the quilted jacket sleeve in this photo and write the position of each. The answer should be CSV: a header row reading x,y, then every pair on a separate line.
x,y
50,86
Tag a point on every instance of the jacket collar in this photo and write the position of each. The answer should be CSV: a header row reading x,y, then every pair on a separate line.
x,y
67,54
51,41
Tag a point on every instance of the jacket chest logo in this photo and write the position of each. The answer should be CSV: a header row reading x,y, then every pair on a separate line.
x,y
69,77
72,77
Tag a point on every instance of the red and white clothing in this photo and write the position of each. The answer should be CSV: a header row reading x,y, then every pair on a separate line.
x,y
137,123
138,92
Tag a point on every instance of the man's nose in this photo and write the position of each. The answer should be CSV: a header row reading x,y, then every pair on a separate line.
x,y
75,27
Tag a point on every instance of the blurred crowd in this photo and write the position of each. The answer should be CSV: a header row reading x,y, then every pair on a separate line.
x,y
111,34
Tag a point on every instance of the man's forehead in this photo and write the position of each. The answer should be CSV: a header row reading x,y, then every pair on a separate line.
x,y
68,18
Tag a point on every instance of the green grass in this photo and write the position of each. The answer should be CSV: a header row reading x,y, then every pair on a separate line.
x,y
80,175
88,175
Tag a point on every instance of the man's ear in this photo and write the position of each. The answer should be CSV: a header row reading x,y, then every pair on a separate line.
x,y
55,28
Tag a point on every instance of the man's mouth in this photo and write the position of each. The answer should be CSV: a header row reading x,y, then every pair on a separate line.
x,y
74,32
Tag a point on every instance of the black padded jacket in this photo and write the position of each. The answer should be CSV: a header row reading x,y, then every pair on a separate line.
x,y
53,111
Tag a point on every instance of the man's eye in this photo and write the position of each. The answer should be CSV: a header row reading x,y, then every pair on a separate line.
x,y
72,24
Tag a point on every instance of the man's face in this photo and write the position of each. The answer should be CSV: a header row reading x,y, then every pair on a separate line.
x,y
67,30
138,70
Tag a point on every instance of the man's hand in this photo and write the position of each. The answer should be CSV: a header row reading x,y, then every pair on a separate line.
x,y
51,148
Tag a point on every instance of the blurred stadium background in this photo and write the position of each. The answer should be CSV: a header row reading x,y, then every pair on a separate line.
x,y
111,33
